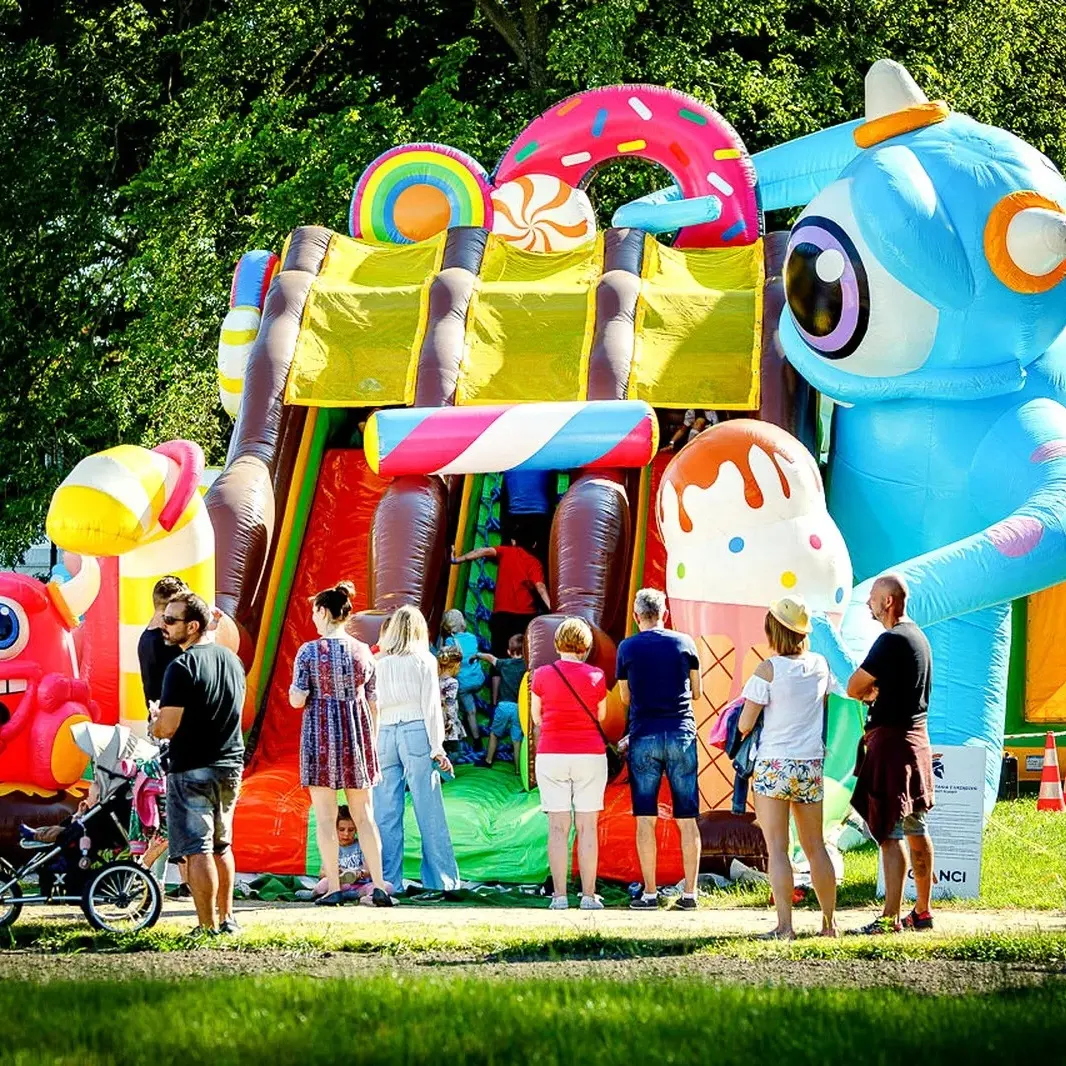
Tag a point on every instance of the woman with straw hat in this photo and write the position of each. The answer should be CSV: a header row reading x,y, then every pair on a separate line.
x,y
789,690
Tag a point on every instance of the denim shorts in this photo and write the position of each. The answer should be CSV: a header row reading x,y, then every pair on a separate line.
x,y
674,754
912,825
505,721
200,807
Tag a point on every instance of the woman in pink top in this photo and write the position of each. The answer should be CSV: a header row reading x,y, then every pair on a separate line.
x,y
567,700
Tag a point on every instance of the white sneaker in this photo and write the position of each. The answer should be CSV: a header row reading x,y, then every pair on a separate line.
x,y
559,903
591,903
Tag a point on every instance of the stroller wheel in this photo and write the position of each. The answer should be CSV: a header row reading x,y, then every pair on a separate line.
x,y
121,897
10,908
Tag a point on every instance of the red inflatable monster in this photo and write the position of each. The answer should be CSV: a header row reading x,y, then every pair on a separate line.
x,y
41,695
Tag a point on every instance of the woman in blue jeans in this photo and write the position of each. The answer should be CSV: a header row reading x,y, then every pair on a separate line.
x,y
411,751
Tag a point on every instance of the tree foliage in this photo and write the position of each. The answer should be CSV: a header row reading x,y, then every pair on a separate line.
x,y
146,145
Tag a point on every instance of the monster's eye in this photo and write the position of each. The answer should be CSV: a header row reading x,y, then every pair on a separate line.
x,y
827,288
14,628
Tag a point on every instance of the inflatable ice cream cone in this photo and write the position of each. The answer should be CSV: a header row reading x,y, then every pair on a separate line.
x,y
743,516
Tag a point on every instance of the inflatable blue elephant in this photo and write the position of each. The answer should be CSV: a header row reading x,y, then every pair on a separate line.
x,y
924,285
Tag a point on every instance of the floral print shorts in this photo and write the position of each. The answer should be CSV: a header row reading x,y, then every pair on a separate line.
x,y
798,780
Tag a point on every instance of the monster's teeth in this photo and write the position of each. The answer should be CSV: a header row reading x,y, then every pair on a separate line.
x,y
12,687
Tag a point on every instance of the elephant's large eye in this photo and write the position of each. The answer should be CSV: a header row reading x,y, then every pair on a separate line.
x,y
826,286
844,305
14,628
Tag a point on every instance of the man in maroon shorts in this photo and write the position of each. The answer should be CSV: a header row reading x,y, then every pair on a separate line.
x,y
894,790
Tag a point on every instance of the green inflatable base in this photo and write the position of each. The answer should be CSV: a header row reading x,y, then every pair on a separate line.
x,y
497,829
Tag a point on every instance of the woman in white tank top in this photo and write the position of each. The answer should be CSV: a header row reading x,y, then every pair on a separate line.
x,y
789,690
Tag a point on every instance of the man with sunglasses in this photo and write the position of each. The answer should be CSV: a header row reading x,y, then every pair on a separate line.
x,y
200,714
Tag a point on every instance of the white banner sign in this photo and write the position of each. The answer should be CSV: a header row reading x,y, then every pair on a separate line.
x,y
955,824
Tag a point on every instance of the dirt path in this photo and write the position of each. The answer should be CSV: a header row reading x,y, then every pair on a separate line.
x,y
463,935
926,977
451,921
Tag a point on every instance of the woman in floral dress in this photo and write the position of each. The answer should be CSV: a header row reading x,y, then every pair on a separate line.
x,y
333,681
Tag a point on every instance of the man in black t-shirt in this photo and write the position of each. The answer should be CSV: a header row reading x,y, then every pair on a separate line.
x,y
894,790
200,714
153,652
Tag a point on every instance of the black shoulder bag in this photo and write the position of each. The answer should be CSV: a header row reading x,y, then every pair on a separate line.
x,y
615,762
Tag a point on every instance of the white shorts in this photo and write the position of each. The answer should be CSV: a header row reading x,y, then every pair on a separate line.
x,y
571,782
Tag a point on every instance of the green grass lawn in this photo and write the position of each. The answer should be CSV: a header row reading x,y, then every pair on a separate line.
x,y
447,1019
423,1010
1023,866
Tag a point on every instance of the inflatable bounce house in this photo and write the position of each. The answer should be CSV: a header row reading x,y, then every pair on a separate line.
x,y
397,390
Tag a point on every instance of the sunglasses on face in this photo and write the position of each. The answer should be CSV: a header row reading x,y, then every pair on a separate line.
x,y
170,620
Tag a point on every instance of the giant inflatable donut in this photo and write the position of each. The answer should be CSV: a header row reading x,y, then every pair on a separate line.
x,y
701,151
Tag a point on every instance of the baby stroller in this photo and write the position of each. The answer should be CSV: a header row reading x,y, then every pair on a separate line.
x,y
90,864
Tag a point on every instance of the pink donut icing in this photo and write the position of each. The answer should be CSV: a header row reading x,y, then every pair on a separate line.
x,y
696,145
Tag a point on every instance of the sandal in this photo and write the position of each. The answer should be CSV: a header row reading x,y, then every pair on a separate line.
x,y
775,935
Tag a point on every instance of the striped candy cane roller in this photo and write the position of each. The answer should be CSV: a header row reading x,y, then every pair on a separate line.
x,y
144,507
251,280
528,436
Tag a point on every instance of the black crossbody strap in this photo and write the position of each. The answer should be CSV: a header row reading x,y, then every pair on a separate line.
x,y
584,705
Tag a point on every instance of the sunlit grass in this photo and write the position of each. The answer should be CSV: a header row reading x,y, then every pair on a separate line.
x,y
447,1018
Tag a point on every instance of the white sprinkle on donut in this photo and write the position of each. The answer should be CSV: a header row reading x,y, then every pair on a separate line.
x,y
720,183
575,159
640,107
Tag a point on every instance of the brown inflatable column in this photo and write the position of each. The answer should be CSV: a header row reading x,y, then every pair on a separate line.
x,y
449,301
588,561
614,334
407,549
247,499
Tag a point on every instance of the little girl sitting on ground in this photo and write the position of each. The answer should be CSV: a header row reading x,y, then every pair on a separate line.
x,y
355,877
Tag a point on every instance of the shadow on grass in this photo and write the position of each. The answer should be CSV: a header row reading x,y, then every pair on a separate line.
x,y
488,945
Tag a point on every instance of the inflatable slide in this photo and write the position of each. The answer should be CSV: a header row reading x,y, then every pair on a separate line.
x,y
510,317
470,324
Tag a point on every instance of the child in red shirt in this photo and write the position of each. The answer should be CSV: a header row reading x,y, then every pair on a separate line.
x,y
519,581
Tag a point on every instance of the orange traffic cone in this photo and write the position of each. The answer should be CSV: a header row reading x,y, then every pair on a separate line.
x,y
1050,782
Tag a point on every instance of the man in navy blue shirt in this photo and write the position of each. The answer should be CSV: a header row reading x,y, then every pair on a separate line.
x,y
659,677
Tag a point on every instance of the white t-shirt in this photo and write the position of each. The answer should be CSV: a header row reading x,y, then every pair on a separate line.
x,y
408,690
794,703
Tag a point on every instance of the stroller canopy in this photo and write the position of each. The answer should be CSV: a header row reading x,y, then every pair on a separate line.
x,y
109,746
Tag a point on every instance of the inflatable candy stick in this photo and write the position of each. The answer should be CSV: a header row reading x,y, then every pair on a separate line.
x,y
251,280
744,522
144,507
594,435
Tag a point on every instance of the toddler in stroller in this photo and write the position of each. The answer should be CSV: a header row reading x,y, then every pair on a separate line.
x,y
97,858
